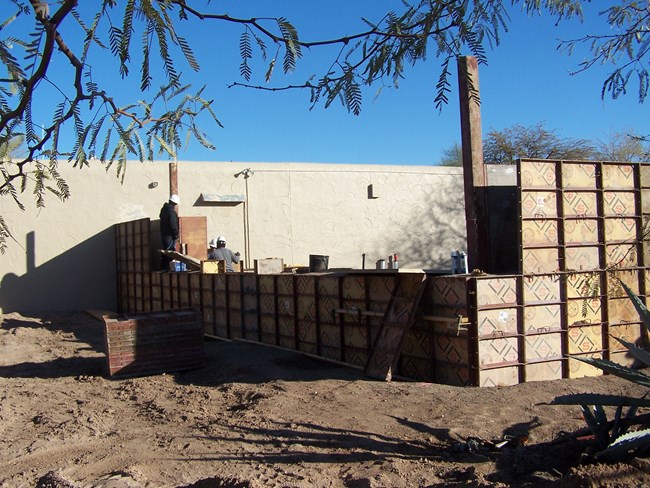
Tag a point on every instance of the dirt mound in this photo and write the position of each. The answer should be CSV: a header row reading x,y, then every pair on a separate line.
x,y
259,416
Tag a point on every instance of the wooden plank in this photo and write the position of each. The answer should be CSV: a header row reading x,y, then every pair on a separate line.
x,y
398,319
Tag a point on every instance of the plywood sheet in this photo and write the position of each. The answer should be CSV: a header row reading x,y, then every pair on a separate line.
x,y
619,203
621,229
582,258
546,371
495,323
539,232
495,291
581,311
543,346
580,204
579,369
500,377
539,261
619,175
579,175
447,290
354,287
538,174
541,288
585,339
542,318
498,350
622,255
538,204
580,231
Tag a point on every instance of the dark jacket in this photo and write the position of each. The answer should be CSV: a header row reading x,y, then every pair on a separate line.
x,y
168,221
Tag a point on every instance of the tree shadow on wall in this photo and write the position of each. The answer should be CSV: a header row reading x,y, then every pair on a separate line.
x,y
82,277
435,228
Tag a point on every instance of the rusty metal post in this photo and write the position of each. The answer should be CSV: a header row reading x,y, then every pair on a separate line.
x,y
475,183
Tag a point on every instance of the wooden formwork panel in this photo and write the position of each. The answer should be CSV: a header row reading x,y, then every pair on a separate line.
x,y
196,284
416,368
539,232
450,349
446,290
621,229
356,357
235,324
266,284
221,322
538,174
448,374
584,258
353,287
619,175
234,282
544,371
146,291
619,204
380,288
328,285
250,324
327,306
307,336
330,338
582,311
267,304
538,204
356,335
541,289
505,376
621,311
584,338
544,346
579,369
582,204
540,261
581,231
496,322
418,344
542,318
184,291
622,255
220,283
156,291
496,291
579,174
497,351
284,284
286,306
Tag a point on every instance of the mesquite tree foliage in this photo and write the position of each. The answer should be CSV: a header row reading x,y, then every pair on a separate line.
x,y
89,121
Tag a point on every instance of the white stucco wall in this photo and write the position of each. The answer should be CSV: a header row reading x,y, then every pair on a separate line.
x,y
63,256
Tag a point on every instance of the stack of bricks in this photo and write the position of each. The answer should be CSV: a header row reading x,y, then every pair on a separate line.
x,y
155,342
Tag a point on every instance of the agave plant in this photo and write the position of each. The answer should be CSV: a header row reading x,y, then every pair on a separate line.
x,y
614,437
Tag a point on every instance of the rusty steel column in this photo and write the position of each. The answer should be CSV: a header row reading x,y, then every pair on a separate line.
x,y
173,178
475,183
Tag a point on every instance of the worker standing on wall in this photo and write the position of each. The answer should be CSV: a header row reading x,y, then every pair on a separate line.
x,y
218,250
169,232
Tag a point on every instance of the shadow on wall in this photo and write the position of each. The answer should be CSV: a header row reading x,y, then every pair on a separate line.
x,y
432,232
81,278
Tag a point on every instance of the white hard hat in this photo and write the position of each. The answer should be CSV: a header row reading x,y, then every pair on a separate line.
x,y
174,199
221,239
213,243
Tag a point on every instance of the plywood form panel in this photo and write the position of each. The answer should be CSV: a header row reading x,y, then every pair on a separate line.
x,y
542,318
538,174
619,175
498,351
580,204
543,371
581,231
496,291
538,204
619,204
221,322
622,255
156,291
499,377
541,289
587,338
194,233
446,290
543,346
582,258
539,232
540,261
579,369
579,174
452,375
497,322
581,311
621,229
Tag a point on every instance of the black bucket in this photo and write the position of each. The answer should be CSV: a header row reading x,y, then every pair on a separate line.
x,y
318,263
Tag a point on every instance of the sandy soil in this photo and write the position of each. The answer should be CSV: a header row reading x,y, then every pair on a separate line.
x,y
258,416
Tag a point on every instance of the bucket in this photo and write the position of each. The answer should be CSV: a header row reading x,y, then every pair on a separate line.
x,y
318,263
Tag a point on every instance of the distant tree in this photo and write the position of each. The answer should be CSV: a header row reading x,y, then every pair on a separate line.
x,y
452,156
623,146
508,145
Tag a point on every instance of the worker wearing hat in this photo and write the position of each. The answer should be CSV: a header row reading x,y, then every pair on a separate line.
x,y
218,250
169,232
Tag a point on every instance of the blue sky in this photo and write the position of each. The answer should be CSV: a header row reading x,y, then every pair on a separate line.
x,y
526,81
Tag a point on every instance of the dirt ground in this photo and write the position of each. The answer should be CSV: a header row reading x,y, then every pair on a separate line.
x,y
259,416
